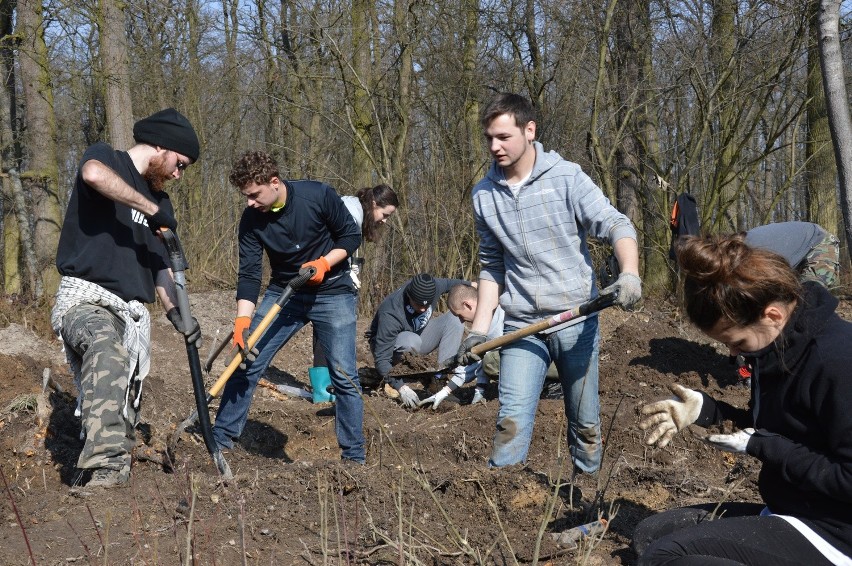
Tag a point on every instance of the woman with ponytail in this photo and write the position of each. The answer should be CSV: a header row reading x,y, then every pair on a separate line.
x,y
798,423
370,207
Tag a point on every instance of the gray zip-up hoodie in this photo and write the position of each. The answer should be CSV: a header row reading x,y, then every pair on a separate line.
x,y
534,244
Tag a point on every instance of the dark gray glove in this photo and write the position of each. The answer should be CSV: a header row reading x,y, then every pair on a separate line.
x,y
161,219
193,334
465,357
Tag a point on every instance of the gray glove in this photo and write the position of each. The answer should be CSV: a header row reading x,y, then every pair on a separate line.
x,y
465,357
669,416
629,289
408,397
249,355
193,334
435,399
735,442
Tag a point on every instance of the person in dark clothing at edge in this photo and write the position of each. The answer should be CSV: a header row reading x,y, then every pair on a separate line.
x,y
798,423
404,323
297,224
811,251
112,262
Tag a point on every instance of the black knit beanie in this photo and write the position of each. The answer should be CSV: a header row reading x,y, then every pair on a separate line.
x,y
169,129
421,289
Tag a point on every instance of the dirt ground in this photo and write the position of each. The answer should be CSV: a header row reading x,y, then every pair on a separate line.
x,y
426,495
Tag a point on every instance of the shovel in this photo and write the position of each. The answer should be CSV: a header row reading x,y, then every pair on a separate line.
x,y
294,284
597,304
179,266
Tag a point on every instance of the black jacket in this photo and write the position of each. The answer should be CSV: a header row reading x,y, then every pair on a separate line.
x,y
801,408
313,222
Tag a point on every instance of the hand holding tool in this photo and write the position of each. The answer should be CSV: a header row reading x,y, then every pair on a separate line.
x,y
668,416
465,355
735,443
628,286
161,219
193,333
321,266
240,339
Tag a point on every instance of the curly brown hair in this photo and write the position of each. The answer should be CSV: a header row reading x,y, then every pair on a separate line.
x,y
253,166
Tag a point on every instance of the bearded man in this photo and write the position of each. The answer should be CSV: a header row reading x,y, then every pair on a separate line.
x,y
112,262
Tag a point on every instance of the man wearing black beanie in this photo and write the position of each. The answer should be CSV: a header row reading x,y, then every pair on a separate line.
x,y
112,262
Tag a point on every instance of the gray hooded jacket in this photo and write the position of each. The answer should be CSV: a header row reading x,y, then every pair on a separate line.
x,y
534,244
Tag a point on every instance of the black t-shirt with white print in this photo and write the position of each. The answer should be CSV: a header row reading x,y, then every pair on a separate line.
x,y
108,243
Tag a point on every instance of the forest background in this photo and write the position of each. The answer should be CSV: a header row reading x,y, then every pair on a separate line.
x,y
723,99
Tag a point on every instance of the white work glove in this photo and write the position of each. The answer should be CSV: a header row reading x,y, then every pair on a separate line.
x,y
436,399
478,396
629,289
353,273
735,442
408,397
665,418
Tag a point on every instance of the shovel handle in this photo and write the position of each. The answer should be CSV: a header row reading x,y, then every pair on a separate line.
x,y
294,284
598,303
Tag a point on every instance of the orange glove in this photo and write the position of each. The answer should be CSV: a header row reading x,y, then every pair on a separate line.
x,y
322,267
241,332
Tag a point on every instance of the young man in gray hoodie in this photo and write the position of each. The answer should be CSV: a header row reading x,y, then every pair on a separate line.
x,y
533,212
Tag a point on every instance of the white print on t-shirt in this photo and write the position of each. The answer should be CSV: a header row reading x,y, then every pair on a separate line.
x,y
138,217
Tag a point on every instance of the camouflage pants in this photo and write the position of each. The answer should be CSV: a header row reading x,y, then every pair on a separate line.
x,y
823,263
95,333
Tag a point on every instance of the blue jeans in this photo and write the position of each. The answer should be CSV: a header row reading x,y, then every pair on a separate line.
x,y
523,366
333,317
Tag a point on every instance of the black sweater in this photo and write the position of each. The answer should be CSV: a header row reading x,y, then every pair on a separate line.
x,y
313,222
801,408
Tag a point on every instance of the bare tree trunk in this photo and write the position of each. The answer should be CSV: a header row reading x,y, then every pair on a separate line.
x,y
10,238
839,121
116,73
820,172
395,163
360,76
18,252
723,43
40,177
